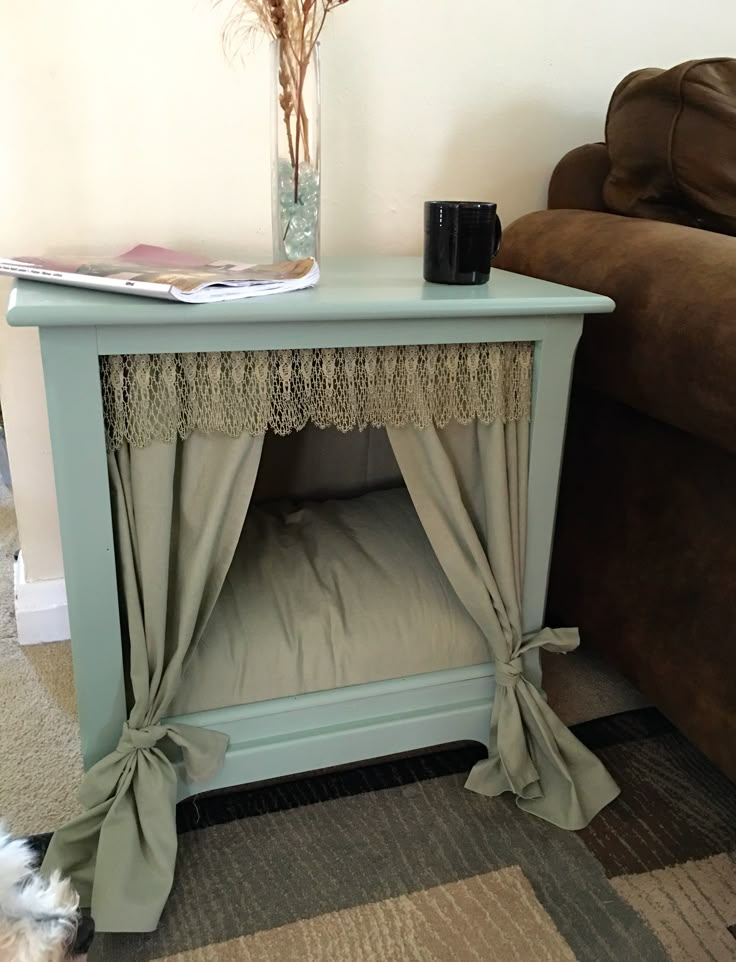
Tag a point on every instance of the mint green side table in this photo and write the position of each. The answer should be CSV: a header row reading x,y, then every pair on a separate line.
x,y
359,302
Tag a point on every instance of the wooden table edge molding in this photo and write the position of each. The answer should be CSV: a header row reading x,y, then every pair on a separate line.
x,y
351,290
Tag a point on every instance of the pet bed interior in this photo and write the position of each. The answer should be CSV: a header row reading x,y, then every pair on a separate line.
x,y
323,595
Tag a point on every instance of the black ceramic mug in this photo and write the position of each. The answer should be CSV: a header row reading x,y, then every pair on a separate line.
x,y
460,240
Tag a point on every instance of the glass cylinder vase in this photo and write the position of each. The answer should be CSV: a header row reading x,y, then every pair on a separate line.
x,y
296,154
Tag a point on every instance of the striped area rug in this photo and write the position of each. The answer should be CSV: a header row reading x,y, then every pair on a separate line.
x,y
396,862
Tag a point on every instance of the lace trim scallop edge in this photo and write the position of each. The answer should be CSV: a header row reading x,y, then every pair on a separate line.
x,y
161,397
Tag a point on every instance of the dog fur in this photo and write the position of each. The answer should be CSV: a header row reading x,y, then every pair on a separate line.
x,y
38,916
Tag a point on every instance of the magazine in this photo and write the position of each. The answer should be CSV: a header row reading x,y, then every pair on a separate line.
x,y
158,272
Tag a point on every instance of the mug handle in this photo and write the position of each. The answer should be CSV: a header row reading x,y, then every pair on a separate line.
x,y
498,237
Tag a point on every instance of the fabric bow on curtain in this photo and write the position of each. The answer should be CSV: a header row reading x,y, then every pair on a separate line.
x,y
179,510
469,487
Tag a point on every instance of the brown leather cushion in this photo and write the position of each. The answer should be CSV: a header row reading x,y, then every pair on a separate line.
x,y
669,350
671,138
577,180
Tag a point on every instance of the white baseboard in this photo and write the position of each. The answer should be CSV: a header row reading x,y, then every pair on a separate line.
x,y
41,611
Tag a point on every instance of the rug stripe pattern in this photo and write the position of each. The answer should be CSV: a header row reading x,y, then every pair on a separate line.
x,y
397,861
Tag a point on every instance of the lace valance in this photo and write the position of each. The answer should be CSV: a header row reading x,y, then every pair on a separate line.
x,y
150,397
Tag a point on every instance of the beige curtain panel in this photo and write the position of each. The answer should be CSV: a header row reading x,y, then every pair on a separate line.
x,y
469,487
178,510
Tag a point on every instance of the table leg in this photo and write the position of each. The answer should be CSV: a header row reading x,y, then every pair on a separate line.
x,y
553,361
71,375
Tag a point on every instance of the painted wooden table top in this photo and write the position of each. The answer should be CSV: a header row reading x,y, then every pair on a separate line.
x,y
350,289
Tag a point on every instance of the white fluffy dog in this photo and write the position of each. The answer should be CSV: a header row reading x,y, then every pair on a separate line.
x,y
39,917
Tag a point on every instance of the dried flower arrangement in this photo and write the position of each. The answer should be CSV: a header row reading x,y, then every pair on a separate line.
x,y
297,25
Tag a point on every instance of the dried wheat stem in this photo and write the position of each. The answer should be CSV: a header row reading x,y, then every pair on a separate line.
x,y
294,71
296,25
300,101
287,105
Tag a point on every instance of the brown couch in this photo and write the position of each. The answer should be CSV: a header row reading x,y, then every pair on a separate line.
x,y
645,549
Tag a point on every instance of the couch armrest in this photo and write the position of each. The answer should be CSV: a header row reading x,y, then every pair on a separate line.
x,y
577,181
669,350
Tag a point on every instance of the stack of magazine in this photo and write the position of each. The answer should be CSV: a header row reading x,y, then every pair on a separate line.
x,y
172,275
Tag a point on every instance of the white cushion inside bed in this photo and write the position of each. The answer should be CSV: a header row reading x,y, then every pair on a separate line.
x,y
323,595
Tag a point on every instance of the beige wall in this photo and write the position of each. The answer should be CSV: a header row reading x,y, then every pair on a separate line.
x,y
124,123
26,427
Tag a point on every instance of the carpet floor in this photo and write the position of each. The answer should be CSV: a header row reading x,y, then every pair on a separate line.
x,y
40,760
397,862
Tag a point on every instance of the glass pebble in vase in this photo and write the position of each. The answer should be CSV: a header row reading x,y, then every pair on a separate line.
x,y
295,195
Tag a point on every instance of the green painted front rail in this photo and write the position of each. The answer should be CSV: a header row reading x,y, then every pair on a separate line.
x,y
360,301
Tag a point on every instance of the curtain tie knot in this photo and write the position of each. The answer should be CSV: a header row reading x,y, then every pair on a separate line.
x,y
508,672
134,739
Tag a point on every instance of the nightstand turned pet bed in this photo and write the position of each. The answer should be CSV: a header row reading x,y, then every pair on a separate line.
x,y
269,635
